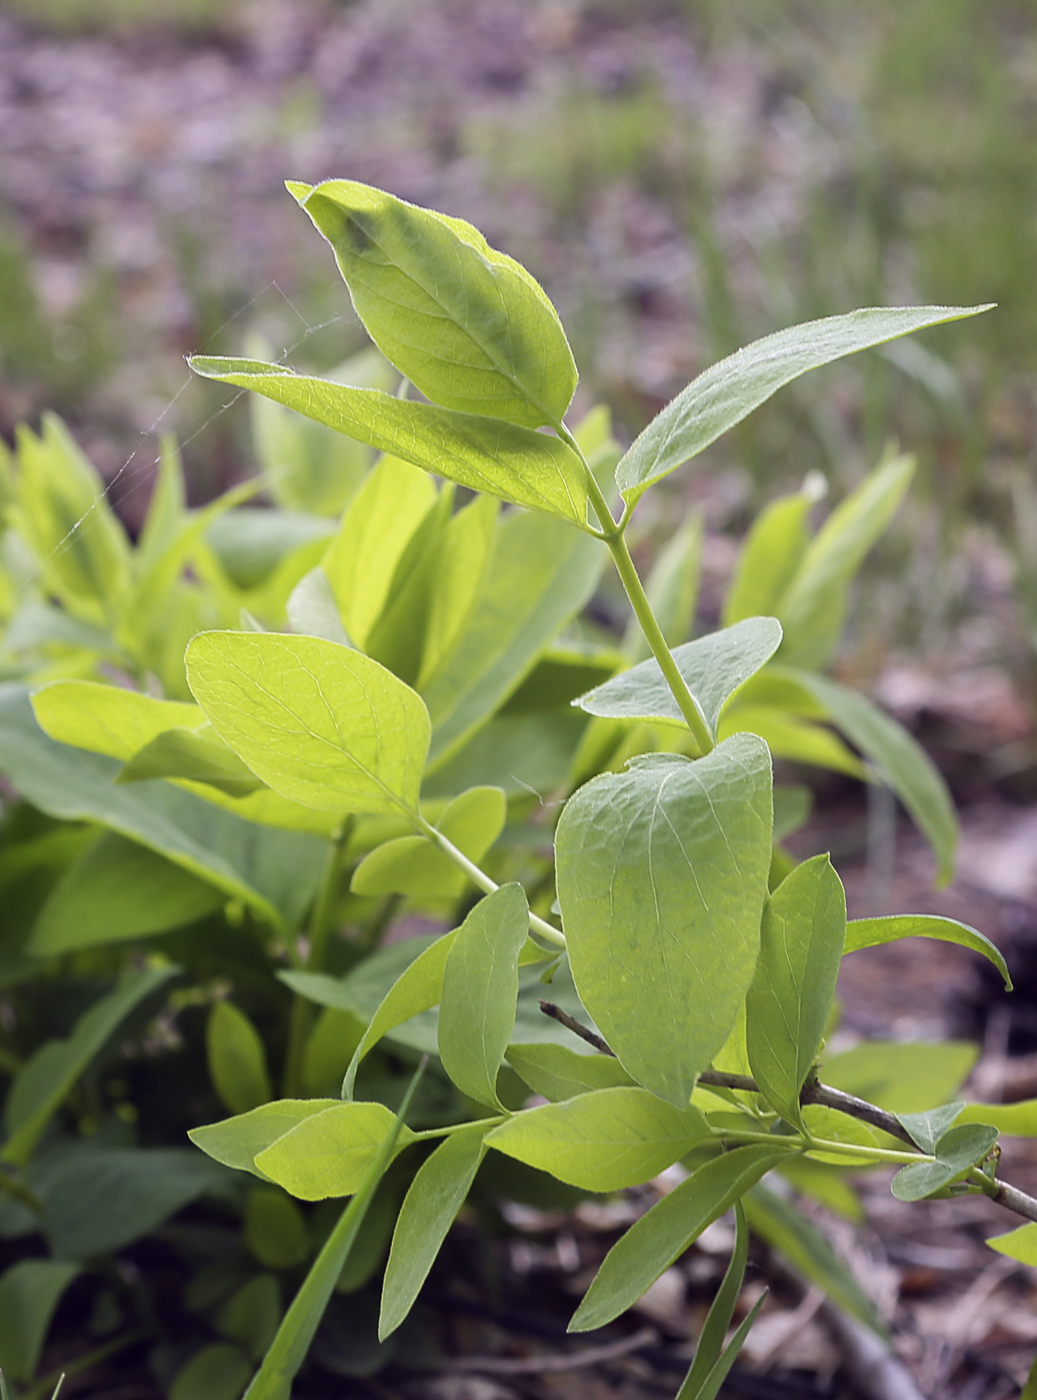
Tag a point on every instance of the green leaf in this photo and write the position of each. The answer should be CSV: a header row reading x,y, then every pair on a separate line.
x,y
769,558
1010,1119
98,1200
789,736
662,874
902,1076
710,1346
273,873
312,610
250,1316
539,578
467,325
252,543
788,1003
375,530
604,1140
480,989
556,1072
901,761
713,667
672,590
237,1060
413,865
275,1228
870,933
792,807
1018,1244
197,754
958,1149
236,1142
43,1082
217,1372
829,1125
786,1229
660,1236
319,723
167,507
465,558
719,1371
117,890
435,1196
30,1292
729,391
486,454
330,1153
926,1129
813,607
273,1380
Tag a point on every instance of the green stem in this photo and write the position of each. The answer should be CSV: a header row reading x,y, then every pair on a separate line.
x,y
303,1012
806,1144
653,636
482,881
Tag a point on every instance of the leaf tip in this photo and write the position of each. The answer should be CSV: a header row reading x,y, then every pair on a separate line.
x,y
299,190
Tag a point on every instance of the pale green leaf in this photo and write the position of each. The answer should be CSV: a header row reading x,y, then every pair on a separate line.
x,y
312,610
319,723
464,560
829,1125
660,1236
329,1153
604,1140
1010,1119
713,668
167,507
199,755
728,391
375,530
486,454
479,992
871,933
769,558
788,1003
253,543
236,1142
902,1076
30,1292
1018,1244
900,759
790,736
710,1345
786,1229
414,865
44,1081
556,1072
435,1196
662,874
466,324
237,1059
117,890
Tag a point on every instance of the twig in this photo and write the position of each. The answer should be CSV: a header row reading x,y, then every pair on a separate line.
x,y
532,1365
570,1023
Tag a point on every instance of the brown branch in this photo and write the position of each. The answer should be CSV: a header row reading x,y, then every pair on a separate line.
x,y
813,1092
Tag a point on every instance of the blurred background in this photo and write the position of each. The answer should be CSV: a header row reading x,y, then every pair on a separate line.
x,y
682,175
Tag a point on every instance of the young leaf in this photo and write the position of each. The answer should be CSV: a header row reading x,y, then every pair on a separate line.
x,y
660,1236
870,933
604,1140
435,1196
44,1081
480,988
486,454
556,1073
414,865
467,325
729,391
273,1380
786,1229
926,1129
1018,1244
662,874
117,890
902,762
320,724
236,1142
375,530
713,667
30,1292
710,1345
958,1149
813,607
769,558
788,1003
237,1060
329,1153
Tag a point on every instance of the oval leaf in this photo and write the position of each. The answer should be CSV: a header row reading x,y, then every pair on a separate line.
x,y
330,1153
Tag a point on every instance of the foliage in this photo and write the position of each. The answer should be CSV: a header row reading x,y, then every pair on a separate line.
x,y
249,743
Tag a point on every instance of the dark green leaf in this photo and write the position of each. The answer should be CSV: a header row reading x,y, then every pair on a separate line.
x,y
926,1129
30,1291
958,1149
